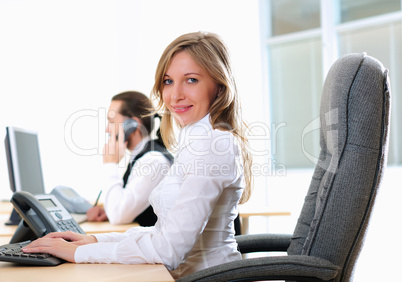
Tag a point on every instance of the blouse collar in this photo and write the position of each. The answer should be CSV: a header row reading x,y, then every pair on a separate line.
x,y
199,129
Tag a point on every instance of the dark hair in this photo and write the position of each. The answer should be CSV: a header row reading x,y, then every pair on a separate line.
x,y
136,104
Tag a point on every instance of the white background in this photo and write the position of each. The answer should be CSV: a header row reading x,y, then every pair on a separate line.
x,y
62,61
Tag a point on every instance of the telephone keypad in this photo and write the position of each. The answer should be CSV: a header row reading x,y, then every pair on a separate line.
x,y
68,225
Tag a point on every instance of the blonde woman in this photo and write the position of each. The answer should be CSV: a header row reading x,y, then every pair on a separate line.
x,y
197,201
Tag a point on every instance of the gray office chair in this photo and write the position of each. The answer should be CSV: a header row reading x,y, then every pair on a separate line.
x,y
354,116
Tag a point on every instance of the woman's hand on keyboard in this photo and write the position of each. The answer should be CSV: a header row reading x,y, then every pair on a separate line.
x,y
57,247
75,238
59,244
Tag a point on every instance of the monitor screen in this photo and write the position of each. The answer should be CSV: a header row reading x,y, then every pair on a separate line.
x,y
23,159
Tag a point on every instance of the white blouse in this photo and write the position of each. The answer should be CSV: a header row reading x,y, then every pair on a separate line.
x,y
123,205
196,204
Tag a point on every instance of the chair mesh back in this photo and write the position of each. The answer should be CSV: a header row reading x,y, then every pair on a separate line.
x,y
354,118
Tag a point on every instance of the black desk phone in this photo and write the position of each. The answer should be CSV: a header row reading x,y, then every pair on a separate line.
x,y
41,214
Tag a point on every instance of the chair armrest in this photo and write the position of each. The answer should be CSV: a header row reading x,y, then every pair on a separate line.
x,y
263,243
300,268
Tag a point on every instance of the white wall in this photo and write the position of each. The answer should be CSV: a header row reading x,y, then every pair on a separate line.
x,y
62,61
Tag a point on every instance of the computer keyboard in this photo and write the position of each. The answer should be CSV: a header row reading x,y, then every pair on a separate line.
x,y
13,253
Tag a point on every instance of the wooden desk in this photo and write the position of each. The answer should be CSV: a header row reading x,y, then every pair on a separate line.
x,y
5,207
77,272
88,227
4,240
245,215
6,230
84,272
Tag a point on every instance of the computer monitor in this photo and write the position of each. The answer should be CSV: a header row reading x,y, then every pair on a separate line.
x,y
24,163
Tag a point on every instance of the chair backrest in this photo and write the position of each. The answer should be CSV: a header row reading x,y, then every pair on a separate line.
x,y
354,117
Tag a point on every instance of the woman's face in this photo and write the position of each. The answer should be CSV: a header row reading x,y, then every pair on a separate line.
x,y
188,90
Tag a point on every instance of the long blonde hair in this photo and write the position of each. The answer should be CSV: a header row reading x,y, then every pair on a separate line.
x,y
225,113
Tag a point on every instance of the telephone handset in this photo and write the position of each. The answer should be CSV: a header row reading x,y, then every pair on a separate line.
x,y
41,214
129,126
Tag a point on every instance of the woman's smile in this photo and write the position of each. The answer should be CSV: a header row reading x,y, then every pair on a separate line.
x,y
188,89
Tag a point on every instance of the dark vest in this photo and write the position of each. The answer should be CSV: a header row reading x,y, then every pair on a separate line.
x,y
147,217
